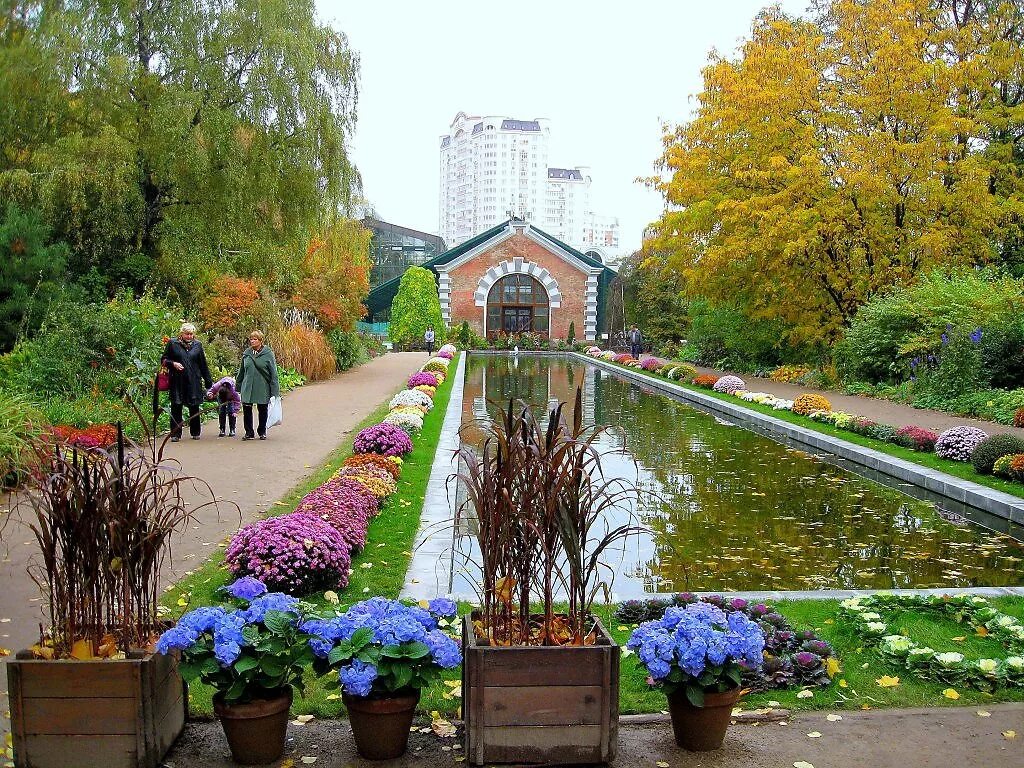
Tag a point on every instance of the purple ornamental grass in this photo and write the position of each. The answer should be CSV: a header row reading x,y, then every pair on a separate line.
x,y
958,443
296,554
385,439
421,378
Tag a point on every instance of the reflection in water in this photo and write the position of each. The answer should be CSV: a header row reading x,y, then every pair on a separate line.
x,y
732,510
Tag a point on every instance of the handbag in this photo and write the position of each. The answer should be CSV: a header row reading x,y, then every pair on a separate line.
x,y
163,379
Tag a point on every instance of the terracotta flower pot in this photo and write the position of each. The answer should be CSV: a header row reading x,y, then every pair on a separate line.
x,y
381,726
255,731
701,729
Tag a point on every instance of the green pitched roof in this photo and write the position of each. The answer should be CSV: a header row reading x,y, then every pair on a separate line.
x,y
380,298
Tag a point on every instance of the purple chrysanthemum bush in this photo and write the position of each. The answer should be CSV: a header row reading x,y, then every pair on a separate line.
x,y
958,443
296,553
385,439
422,377
729,384
651,364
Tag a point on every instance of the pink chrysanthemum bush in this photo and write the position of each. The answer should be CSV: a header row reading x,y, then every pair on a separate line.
x,y
958,443
423,377
729,384
622,358
346,493
651,364
297,554
916,438
447,351
385,439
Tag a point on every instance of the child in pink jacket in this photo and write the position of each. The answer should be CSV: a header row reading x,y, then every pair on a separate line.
x,y
228,403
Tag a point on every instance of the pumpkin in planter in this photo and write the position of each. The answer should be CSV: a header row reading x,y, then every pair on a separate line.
x,y
541,688
102,520
696,654
383,653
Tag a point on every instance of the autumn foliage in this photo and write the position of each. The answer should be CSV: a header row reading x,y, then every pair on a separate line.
x,y
306,350
231,304
335,275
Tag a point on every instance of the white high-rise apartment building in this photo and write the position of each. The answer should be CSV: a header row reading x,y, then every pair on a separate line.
x,y
493,168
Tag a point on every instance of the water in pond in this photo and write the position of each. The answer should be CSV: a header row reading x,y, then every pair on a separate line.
x,y
739,511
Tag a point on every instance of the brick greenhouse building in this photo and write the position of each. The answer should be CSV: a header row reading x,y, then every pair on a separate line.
x,y
510,279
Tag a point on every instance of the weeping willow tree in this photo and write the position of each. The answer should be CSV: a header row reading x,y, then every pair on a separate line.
x,y
186,136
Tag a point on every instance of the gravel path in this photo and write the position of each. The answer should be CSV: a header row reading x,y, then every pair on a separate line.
x,y
253,475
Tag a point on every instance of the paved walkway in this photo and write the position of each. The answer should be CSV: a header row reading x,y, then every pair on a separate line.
x,y
876,409
253,475
894,738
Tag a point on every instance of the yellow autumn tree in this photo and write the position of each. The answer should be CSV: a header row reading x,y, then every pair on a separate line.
x,y
830,159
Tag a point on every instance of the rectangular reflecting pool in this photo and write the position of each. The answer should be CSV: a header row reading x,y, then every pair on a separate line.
x,y
727,509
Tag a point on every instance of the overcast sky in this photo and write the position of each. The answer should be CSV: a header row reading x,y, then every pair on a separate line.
x,y
606,73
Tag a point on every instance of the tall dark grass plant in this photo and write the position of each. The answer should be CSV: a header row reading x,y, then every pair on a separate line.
x,y
542,505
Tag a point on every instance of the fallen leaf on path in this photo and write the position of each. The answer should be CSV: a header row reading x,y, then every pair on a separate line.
x,y
332,697
833,718
288,763
982,631
949,693
306,760
843,683
661,764
802,764
984,713
443,728
814,735
1009,734
832,666
960,639
887,682
805,694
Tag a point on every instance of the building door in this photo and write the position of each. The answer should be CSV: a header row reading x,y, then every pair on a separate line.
x,y
517,304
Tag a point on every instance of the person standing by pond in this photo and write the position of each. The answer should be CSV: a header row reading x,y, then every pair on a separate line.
x,y
428,339
257,382
636,342
190,377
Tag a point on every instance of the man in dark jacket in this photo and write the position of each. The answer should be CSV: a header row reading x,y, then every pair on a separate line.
x,y
189,379
636,342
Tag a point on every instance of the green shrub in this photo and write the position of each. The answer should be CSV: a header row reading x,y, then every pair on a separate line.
x,y
465,336
572,333
993,448
905,323
348,348
416,306
20,423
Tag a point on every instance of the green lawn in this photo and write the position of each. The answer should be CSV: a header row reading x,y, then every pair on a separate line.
x,y
378,570
959,469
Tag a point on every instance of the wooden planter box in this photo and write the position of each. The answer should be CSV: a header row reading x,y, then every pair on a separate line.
x,y
95,714
540,705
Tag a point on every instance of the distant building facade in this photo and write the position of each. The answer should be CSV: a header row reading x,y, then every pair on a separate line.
x,y
493,168
393,249
514,278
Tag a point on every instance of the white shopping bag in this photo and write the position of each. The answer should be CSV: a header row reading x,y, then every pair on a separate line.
x,y
275,415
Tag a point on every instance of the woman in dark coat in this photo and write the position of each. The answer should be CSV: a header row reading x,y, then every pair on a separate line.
x,y
189,379
257,382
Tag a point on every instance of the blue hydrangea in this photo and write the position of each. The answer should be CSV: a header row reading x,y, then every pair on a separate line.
x,y
443,606
271,601
176,639
246,588
357,678
446,652
227,652
696,637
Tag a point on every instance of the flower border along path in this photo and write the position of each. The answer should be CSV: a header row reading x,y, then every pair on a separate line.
x,y
378,569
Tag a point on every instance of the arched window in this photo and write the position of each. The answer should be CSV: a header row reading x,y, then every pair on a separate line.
x,y
517,303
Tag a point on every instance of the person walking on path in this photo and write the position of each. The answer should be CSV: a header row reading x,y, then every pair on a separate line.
x,y
428,339
190,377
229,403
636,342
257,382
